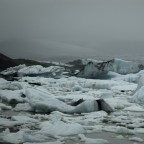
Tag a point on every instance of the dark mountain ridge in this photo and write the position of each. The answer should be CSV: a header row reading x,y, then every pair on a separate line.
x,y
6,62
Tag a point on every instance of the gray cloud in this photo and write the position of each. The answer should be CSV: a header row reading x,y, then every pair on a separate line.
x,y
40,29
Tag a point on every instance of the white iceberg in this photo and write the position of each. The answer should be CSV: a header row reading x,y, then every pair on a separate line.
x,y
94,69
124,67
12,70
38,70
41,101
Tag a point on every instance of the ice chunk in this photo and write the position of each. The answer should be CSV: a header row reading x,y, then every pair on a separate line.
x,y
35,137
23,107
100,70
136,139
109,128
91,140
61,128
135,108
5,107
77,88
120,137
12,70
123,130
12,97
91,70
139,130
15,138
140,82
37,70
23,119
14,85
125,67
86,107
138,97
41,101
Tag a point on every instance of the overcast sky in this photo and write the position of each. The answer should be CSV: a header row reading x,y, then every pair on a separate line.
x,y
39,29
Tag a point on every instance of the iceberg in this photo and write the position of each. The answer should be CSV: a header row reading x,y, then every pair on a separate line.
x,y
125,67
11,72
38,70
94,69
33,71
44,102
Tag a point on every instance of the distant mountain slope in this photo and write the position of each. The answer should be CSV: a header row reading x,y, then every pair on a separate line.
x,y
6,62
32,62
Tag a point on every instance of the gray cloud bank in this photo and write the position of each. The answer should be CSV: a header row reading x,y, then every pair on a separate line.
x,y
39,29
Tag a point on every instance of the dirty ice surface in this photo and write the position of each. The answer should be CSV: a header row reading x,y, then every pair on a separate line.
x,y
51,112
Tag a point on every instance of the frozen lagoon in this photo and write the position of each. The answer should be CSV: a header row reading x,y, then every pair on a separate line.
x,y
19,122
